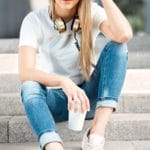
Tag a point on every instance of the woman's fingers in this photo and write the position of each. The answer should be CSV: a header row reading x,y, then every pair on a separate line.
x,y
77,99
69,101
75,102
85,106
87,102
72,98
82,102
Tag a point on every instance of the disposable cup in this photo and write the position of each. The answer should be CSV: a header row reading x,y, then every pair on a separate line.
x,y
76,119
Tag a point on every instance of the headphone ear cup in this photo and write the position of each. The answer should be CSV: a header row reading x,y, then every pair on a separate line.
x,y
75,25
60,25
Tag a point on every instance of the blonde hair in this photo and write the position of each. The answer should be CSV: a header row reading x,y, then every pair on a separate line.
x,y
86,44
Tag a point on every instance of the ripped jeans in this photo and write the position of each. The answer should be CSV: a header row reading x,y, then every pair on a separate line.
x,y
45,106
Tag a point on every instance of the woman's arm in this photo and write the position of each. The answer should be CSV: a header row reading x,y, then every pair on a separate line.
x,y
28,71
116,27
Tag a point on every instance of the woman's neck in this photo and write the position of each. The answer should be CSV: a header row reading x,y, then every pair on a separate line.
x,y
67,15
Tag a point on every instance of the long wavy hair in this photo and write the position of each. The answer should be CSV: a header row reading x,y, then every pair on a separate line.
x,y
86,44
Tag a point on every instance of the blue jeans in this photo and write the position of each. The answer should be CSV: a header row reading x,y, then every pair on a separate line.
x,y
45,106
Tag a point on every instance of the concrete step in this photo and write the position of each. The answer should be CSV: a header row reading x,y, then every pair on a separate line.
x,y
123,127
9,45
138,47
137,80
11,104
139,50
135,95
109,145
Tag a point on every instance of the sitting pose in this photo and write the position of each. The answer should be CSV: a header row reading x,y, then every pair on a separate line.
x,y
64,35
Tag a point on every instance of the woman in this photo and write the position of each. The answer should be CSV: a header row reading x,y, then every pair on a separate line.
x,y
64,34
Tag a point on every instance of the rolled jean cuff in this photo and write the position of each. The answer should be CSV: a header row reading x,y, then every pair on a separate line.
x,y
107,103
49,137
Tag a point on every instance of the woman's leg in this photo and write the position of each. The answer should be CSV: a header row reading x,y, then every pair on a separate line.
x,y
105,84
58,104
34,98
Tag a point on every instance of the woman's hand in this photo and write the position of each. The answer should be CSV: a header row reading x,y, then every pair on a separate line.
x,y
73,92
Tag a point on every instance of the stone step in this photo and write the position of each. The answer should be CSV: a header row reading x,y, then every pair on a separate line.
x,y
138,49
139,42
137,80
121,127
9,45
11,104
109,145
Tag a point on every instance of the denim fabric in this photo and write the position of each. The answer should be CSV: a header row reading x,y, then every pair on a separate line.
x,y
45,106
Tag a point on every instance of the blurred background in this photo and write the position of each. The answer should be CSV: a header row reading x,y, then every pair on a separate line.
x,y
12,13
129,127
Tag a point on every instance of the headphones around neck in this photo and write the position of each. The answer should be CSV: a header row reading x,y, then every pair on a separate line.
x,y
60,25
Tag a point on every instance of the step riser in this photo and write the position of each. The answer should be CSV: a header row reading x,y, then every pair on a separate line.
x,y
139,60
4,121
138,49
9,45
11,104
9,83
117,129
137,80
135,103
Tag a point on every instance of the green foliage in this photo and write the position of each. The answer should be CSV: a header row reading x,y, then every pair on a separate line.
x,y
134,10
136,23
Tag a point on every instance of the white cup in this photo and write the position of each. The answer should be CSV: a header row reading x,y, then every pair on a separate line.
x,y
76,119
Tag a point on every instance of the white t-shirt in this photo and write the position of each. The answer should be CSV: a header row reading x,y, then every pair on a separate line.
x,y
57,51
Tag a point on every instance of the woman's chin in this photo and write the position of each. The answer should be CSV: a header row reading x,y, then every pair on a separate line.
x,y
67,7
68,4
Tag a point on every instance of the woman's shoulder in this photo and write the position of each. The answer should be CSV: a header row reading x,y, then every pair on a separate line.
x,y
95,5
97,10
37,14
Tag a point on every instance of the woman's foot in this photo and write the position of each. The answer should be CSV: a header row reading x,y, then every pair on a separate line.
x,y
94,137
92,141
54,146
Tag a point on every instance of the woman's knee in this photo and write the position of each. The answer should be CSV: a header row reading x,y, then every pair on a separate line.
x,y
31,90
118,49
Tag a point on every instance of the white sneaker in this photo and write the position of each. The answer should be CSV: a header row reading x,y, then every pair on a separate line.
x,y
94,142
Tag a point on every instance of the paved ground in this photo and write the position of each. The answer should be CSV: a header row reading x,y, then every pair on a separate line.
x,y
111,145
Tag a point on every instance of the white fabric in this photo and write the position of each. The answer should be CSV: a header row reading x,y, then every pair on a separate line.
x,y
93,142
57,52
